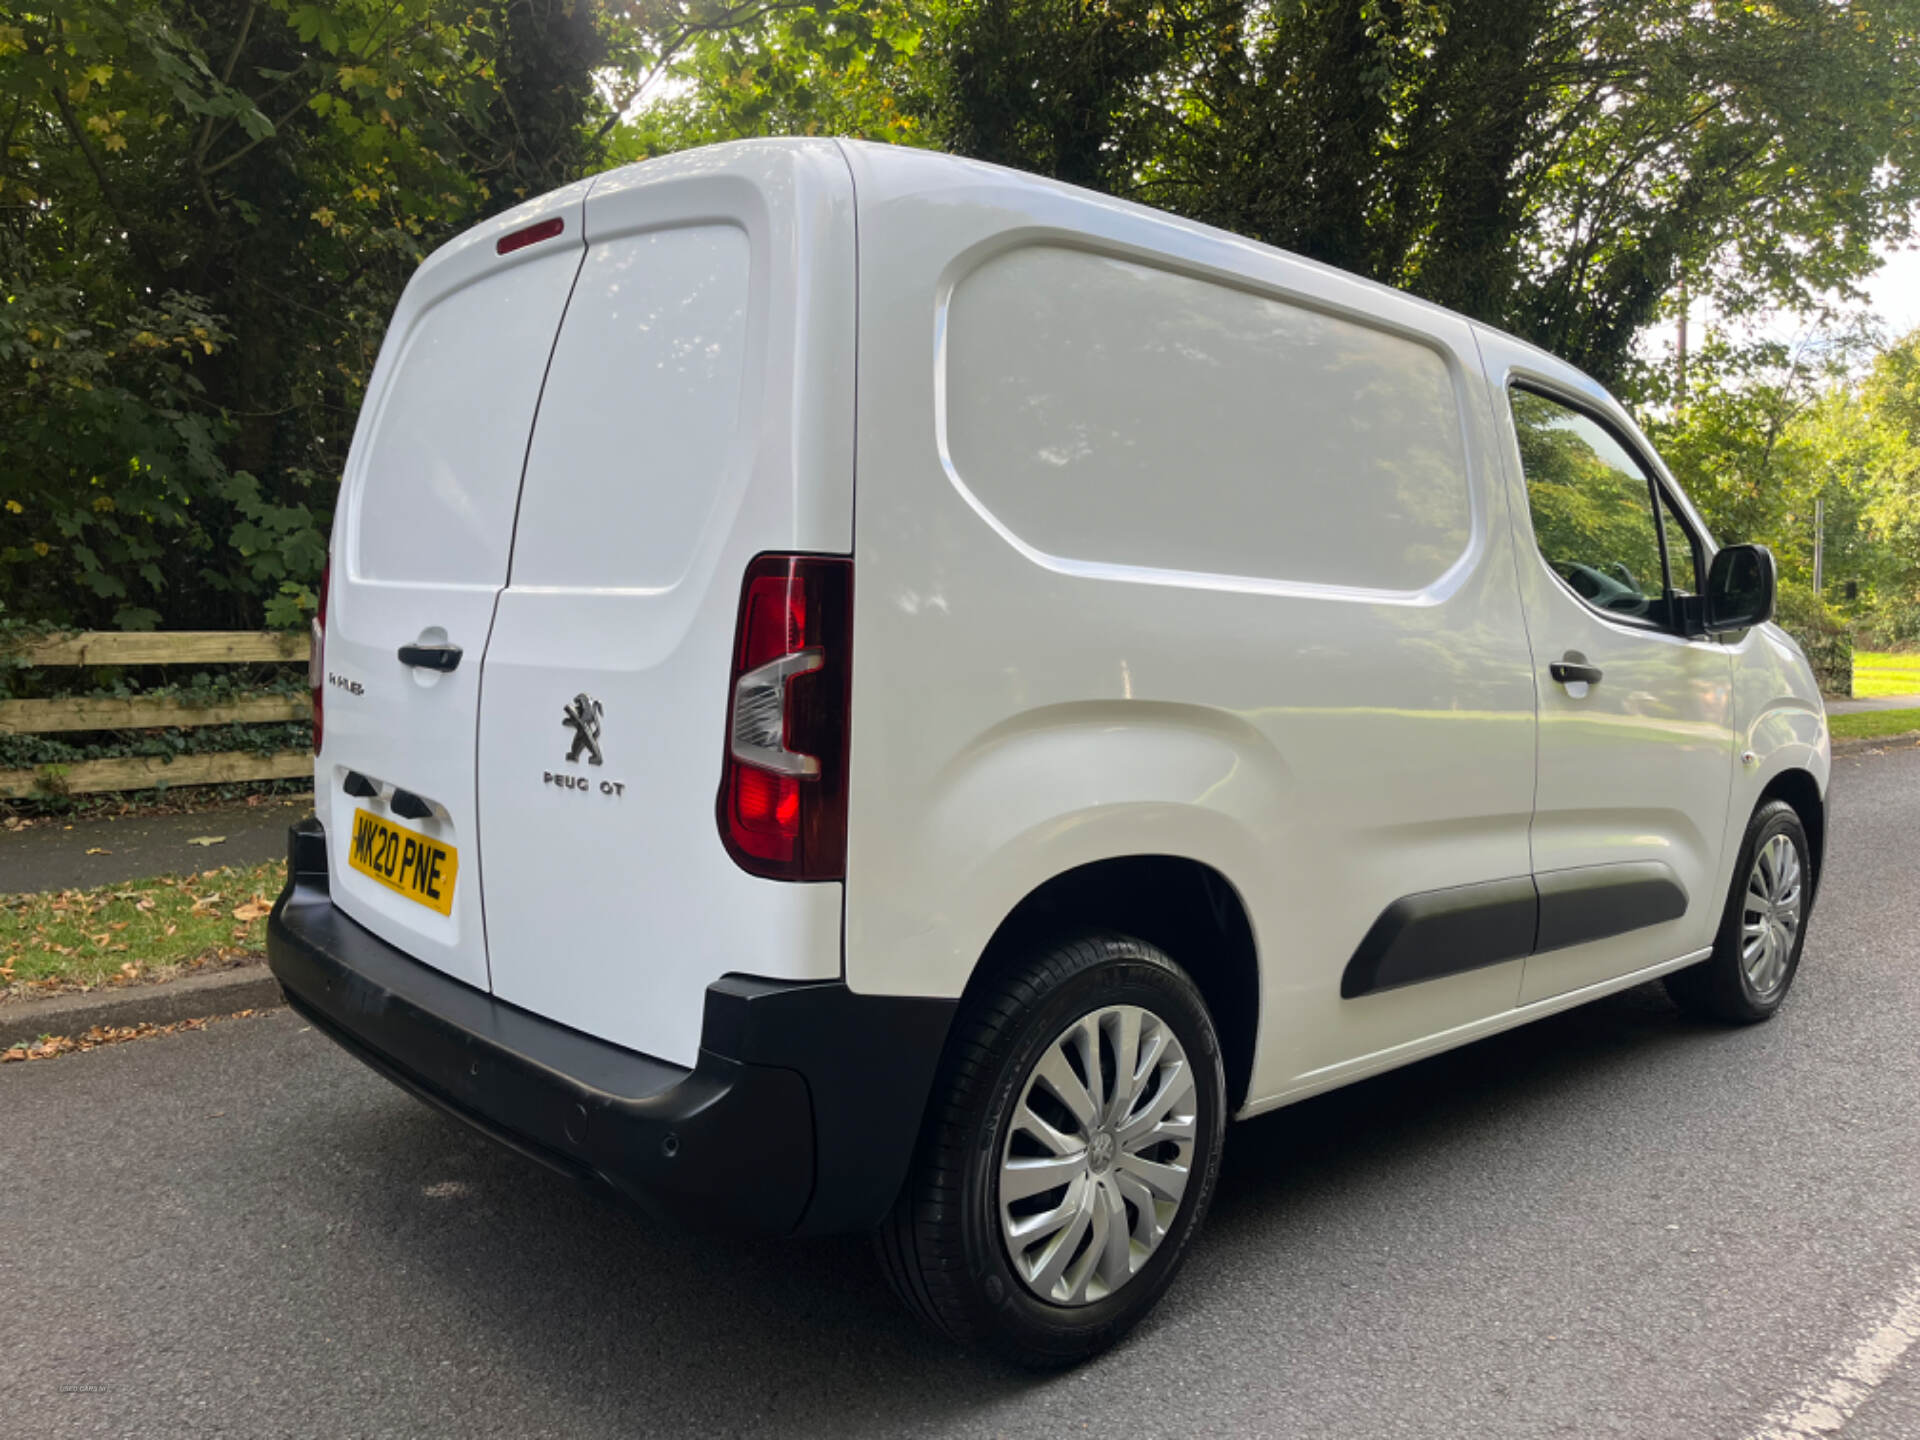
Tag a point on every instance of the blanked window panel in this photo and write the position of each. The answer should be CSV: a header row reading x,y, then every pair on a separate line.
x,y
1112,412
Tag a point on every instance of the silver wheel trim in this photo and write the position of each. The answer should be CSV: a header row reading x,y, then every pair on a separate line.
x,y
1097,1155
1770,914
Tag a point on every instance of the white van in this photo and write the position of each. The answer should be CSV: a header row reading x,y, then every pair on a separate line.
x,y
864,690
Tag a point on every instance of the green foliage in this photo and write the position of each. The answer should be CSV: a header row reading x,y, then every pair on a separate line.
x,y
734,69
207,213
1552,166
21,752
1763,435
1822,633
104,443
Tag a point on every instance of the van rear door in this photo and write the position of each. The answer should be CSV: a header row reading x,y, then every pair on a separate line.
x,y
698,412
420,553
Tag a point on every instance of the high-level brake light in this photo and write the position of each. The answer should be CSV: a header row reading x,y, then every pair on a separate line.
x,y
529,235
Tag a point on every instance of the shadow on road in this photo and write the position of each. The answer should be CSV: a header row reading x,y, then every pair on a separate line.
x,y
668,1331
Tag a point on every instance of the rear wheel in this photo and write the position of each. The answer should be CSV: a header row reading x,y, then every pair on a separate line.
x,y
1757,952
1069,1154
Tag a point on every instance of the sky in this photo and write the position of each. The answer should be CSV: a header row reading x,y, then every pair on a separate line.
x,y
1893,296
1895,292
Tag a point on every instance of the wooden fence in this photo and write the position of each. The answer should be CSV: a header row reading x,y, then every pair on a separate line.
x,y
139,712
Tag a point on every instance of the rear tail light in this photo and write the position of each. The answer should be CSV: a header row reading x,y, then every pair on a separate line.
x,y
317,656
783,793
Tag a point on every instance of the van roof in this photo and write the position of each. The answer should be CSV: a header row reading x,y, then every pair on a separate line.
x,y
938,167
884,170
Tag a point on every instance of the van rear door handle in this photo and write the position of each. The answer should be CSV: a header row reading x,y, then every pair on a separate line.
x,y
431,657
1569,671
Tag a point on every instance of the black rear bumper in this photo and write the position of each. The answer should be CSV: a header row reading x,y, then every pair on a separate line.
x,y
800,1114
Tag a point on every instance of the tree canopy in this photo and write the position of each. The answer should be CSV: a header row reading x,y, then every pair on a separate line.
x,y
208,208
207,212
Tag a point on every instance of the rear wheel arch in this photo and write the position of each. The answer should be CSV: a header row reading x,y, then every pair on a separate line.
x,y
1185,907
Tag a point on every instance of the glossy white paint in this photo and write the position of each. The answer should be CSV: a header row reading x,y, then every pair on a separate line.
x,y
1127,420
1638,766
1028,702
1378,1062
698,411
1165,543
1778,717
421,538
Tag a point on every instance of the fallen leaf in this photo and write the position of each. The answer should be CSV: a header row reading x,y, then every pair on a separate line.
x,y
49,1046
208,840
253,909
96,850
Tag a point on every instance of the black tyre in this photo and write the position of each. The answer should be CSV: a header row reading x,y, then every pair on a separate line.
x,y
1058,1183
1757,951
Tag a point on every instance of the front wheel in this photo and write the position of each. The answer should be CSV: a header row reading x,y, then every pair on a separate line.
x,y
1069,1154
1757,951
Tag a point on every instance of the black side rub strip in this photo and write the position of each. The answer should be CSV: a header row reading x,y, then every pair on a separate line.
x,y
1442,932
1434,933
1595,901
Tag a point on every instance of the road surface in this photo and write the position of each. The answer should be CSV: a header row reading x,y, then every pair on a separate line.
x,y
1614,1223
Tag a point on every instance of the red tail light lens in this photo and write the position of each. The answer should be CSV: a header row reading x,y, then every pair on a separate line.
x,y
783,791
529,235
317,656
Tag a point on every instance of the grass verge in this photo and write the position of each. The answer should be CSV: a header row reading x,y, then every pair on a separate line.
x,y
1873,724
136,931
1878,672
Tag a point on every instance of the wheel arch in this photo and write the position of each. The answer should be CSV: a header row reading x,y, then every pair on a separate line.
x,y
1185,907
1800,790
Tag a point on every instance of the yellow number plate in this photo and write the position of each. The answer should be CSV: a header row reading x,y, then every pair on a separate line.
x,y
404,861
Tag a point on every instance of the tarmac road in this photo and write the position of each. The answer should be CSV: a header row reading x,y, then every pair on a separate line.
x,y
105,850
1612,1223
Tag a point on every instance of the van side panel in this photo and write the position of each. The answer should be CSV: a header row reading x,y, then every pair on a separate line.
x,y
1109,607
1064,372
698,411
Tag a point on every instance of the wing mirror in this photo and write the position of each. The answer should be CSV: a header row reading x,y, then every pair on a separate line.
x,y
1740,588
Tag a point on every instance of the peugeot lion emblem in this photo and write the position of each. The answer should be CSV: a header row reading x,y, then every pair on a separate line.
x,y
582,716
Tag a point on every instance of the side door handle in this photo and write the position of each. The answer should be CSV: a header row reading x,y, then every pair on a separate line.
x,y
431,657
1569,672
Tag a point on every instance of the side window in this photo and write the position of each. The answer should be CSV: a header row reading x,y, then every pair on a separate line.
x,y
1593,510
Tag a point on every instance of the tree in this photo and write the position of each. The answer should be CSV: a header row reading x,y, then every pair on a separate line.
x,y
717,70
206,215
1550,166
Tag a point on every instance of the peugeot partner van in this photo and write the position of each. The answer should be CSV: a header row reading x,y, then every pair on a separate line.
x,y
860,690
